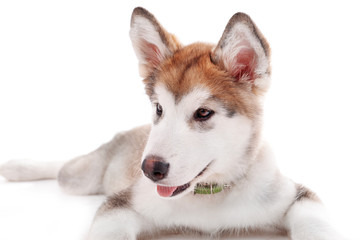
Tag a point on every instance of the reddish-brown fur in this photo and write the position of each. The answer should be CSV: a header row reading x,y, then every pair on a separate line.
x,y
191,67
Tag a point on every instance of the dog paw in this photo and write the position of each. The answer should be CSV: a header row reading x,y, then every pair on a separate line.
x,y
114,224
318,236
110,235
10,170
17,170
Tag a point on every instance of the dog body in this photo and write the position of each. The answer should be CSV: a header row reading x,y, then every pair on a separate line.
x,y
205,138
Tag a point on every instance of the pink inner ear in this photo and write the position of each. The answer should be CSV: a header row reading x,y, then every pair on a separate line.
x,y
244,65
151,53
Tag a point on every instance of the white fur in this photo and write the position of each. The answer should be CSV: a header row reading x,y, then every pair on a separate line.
x,y
308,220
124,224
144,31
259,198
247,206
180,145
28,170
240,37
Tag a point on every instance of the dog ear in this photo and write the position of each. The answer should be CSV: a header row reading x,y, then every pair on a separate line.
x,y
151,42
244,52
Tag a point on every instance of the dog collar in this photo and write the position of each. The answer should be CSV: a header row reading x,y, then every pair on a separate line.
x,y
210,188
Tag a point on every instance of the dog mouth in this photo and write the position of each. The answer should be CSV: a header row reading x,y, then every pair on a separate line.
x,y
165,191
171,191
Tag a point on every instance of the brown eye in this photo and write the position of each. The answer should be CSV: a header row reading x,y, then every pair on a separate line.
x,y
159,109
203,114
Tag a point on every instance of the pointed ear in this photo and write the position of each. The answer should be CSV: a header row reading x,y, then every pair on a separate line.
x,y
151,42
244,52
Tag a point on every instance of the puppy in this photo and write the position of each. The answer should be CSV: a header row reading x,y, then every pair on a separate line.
x,y
202,165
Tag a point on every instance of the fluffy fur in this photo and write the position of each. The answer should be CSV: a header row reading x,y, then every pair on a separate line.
x,y
207,104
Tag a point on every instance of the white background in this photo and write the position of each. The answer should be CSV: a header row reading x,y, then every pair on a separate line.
x,y
69,82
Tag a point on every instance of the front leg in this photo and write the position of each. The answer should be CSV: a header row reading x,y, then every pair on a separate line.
x,y
116,220
307,219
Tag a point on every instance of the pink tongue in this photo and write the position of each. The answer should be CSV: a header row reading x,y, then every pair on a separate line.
x,y
165,191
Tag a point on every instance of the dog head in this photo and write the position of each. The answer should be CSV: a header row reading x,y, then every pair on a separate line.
x,y
206,101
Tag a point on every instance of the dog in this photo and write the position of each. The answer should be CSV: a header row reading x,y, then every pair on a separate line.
x,y
202,165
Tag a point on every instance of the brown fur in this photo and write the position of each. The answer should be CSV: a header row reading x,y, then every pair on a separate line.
x,y
223,234
191,67
244,18
304,193
116,201
196,65
168,39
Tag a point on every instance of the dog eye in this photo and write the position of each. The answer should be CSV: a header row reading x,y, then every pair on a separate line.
x,y
203,114
159,109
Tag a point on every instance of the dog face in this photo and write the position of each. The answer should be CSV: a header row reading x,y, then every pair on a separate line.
x,y
206,102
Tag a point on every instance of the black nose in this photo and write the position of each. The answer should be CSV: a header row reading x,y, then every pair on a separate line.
x,y
155,168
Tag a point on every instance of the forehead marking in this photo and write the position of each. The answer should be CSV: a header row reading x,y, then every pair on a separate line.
x,y
190,68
